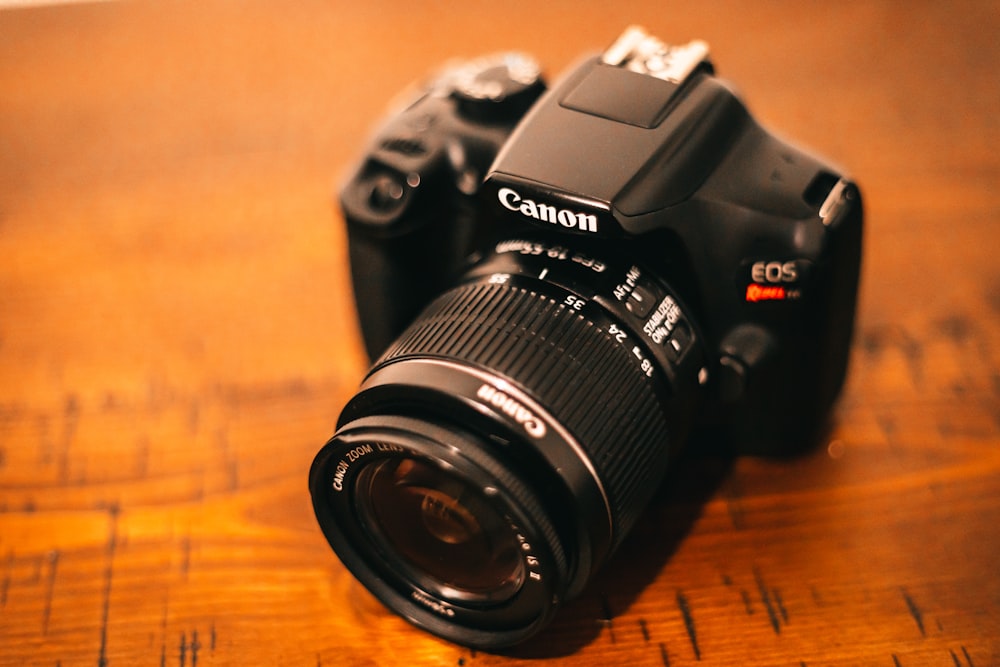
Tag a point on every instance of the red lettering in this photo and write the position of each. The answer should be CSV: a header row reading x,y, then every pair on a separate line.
x,y
757,293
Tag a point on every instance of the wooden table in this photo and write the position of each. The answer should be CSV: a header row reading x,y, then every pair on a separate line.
x,y
177,337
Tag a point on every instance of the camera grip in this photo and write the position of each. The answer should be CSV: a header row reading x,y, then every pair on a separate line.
x,y
393,278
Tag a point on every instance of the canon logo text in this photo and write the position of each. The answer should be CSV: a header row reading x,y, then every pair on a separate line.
x,y
569,219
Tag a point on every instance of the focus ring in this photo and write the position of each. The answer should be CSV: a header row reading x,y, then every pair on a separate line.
x,y
569,365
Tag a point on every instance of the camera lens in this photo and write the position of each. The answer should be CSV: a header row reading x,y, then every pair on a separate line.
x,y
504,445
436,523
443,530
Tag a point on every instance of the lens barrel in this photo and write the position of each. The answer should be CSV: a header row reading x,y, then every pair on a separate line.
x,y
499,451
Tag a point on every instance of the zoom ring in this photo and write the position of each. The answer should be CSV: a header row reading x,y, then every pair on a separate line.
x,y
569,365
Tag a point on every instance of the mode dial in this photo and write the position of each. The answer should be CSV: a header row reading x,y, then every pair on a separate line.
x,y
496,88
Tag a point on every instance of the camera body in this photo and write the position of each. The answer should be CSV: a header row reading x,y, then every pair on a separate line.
x,y
558,286
664,167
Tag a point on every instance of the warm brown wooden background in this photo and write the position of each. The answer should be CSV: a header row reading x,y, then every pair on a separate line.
x,y
176,338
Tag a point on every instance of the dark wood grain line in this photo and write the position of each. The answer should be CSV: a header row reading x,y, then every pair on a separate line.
x,y
185,556
782,611
163,629
915,612
195,647
968,658
5,584
765,597
747,602
50,585
692,632
71,417
664,657
112,547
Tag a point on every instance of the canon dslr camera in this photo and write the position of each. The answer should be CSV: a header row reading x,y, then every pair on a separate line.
x,y
558,285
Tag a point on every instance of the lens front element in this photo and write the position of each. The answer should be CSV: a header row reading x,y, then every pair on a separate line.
x,y
440,527
444,532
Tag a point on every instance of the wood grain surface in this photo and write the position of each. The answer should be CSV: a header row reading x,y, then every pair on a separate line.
x,y
177,337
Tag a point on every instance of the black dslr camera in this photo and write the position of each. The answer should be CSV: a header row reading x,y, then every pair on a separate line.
x,y
558,286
